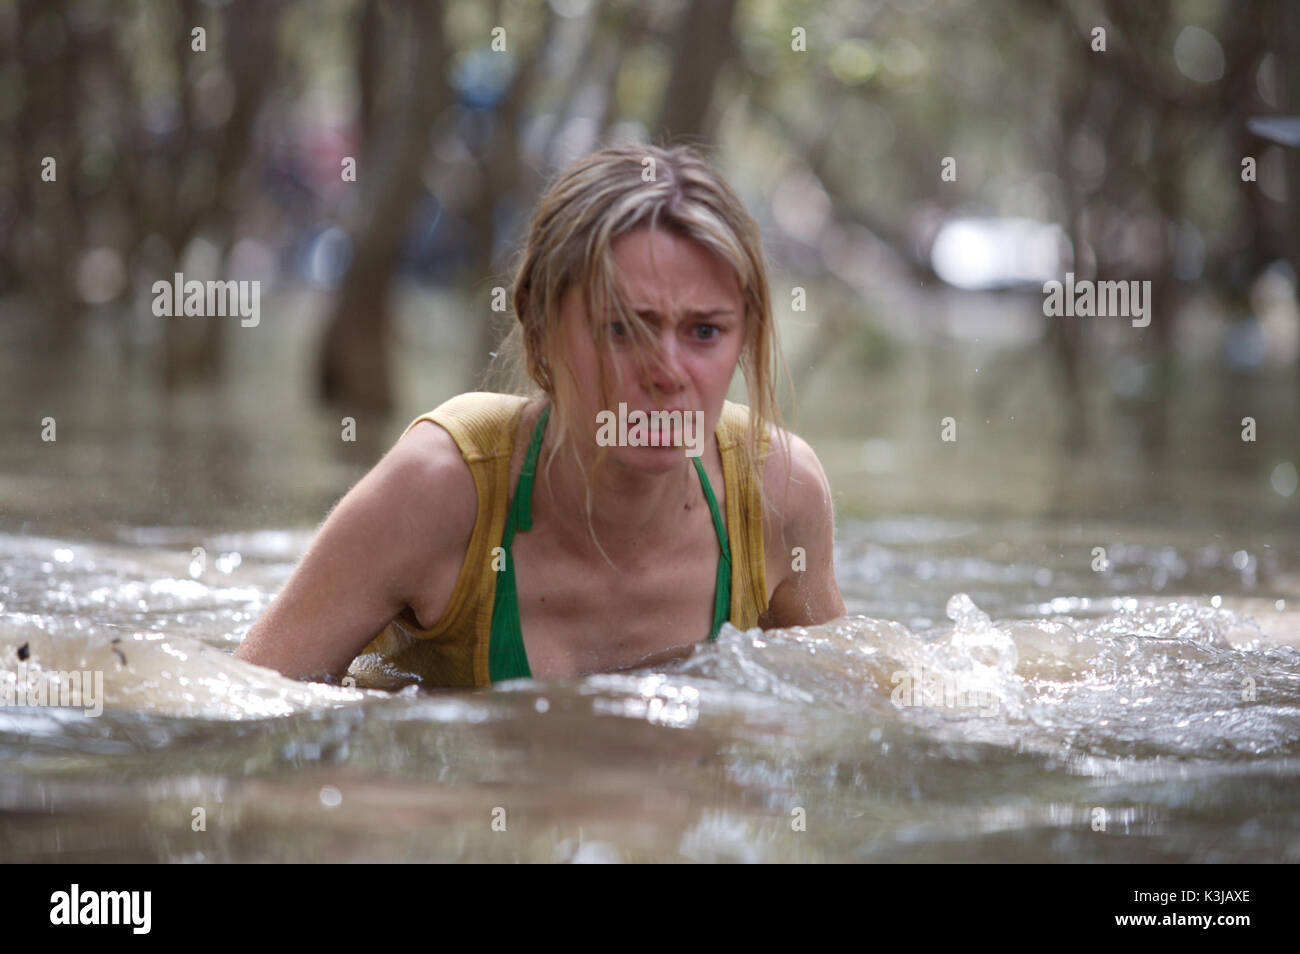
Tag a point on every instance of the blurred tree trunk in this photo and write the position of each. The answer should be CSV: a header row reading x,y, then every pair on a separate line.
x,y
1287,58
505,174
702,44
47,126
1065,336
193,351
369,60
354,370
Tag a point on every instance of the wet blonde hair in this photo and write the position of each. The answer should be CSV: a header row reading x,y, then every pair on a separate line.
x,y
588,205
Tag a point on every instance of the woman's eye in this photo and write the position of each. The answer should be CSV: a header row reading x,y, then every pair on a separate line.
x,y
712,329
617,329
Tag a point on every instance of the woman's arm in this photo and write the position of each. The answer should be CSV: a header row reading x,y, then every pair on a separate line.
x,y
810,595
401,532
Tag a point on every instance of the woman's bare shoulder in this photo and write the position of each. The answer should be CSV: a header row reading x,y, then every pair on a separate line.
x,y
431,485
799,526
396,539
795,482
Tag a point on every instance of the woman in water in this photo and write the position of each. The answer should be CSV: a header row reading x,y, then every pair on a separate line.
x,y
458,561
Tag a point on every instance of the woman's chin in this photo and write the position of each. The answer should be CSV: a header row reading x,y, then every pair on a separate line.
x,y
652,459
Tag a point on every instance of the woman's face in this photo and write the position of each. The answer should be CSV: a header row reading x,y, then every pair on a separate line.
x,y
692,304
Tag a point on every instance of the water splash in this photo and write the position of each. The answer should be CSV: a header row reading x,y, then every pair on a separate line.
x,y
895,740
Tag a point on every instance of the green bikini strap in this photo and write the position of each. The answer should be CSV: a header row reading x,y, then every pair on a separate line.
x,y
507,658
523,510
722,586
511,658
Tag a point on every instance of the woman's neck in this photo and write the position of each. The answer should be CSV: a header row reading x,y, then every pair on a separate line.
x,y
629,507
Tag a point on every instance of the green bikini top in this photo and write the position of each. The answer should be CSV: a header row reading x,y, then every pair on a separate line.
x,y
507,658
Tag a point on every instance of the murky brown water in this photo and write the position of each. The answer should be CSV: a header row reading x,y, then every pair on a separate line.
x,y
996,699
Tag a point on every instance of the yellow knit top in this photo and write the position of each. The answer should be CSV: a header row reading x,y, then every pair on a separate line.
x,y
454,651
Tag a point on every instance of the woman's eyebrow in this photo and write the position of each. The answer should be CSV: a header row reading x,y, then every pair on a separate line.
x,y
690,312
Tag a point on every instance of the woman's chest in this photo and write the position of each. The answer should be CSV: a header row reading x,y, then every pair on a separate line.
x,y
579,614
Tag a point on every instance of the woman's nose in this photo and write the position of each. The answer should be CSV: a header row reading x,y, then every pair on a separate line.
x,y
664,370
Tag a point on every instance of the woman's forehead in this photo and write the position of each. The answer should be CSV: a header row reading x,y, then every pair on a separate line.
x,y
682,276
641,252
